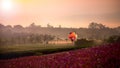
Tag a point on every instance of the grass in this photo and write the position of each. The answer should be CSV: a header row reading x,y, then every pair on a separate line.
x,y
29,47
14,51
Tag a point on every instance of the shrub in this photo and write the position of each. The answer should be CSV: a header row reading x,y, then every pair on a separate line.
x,y
83,43
113,39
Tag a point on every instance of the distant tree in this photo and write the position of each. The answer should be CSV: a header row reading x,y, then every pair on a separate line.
x,y
60,26
9,26
2,26
118,29
49,26
18,27
94,25
39,26
32,25
47,38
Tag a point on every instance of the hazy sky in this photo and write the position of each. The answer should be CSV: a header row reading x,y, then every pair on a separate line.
x,y
68,13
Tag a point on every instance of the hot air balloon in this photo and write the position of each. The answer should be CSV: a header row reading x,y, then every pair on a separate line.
x,y
72,36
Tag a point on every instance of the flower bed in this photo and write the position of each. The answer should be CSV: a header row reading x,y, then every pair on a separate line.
x,y
105,56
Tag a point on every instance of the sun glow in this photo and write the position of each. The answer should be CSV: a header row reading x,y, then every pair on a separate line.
x,y
7,5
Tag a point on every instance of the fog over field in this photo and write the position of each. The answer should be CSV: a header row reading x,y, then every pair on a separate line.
x,y
37,34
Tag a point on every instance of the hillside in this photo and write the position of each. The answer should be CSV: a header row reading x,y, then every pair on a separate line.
x,y
105,56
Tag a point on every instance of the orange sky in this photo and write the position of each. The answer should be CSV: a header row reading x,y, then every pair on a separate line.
x,y
68,13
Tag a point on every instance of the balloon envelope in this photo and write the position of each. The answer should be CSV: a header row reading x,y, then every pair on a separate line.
x,y
72,36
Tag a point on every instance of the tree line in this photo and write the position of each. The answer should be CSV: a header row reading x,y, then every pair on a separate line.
x,y
36,34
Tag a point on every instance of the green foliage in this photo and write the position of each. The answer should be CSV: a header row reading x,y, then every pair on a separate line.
x,y
113,39
25,38
94,25
83,43
36,34
8,52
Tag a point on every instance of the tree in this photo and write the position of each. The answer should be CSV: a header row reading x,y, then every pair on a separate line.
x,y
9,26
94,25
49,26
60,26
32,25
1,26
18,27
